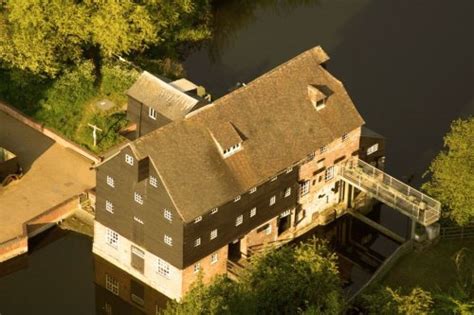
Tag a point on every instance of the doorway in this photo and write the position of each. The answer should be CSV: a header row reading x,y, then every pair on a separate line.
x,y
234,252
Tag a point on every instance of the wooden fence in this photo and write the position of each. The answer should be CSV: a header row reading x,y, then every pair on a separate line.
x,y
457,232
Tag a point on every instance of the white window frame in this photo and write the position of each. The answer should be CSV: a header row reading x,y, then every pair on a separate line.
x,y
214,211
372,149
213,234
197,242
288,192
253,211
237,198
329,174
110,181
232,150
252,190
168,240
163,268
138,220
197,267
152,113
272,200
129,159
168,215
109,206
274,178
268,230
345,137
111,238
239,220
112,284
153,181
289,169
214,258
198,219
138,198
304,188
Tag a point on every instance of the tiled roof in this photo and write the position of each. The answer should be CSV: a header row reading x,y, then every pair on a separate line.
x,y
276,120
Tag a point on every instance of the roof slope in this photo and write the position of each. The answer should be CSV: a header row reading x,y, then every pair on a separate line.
x,y
277,121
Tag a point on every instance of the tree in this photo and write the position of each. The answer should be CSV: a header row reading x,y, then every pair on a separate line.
x,y
390,302
46,36
452,173
290,280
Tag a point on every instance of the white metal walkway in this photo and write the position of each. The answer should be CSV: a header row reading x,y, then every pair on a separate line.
x,y
411,202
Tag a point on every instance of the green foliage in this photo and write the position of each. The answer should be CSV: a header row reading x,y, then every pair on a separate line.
x,y
452,173
290,280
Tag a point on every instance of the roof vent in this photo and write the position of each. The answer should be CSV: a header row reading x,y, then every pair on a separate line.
x,y
318,94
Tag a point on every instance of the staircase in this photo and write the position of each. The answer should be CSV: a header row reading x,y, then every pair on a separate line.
x,y
392,192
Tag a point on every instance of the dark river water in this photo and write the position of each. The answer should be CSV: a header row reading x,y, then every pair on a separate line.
x,y
407,65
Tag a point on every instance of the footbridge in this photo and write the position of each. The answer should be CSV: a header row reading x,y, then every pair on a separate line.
x,y
392,192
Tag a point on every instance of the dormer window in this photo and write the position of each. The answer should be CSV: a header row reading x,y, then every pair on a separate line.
x,y
228,139
318,95
233,149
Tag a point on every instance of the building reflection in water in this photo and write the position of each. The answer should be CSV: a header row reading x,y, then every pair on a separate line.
x,y
117,292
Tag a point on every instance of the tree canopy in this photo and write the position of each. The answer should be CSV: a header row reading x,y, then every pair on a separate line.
x,y
44,37
452,173
290,280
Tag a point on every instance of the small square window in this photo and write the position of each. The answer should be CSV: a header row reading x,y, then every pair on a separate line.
x,y
168,240
214,258
289,169
372,149
152,113
197,267
111,238
345,137
138,198
214,211
288,192
111,284
197,242
323,149
198,219
153,181
237,198
110,181
252,190
310,156
163,268
272,200
129,159
239,220
253,212
329,173
213,234
168,215
304,188
109,206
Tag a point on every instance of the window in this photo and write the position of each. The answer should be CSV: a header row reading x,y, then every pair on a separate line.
x,y
323,149
129,159
310,156
372,149
197,267
108,308
163,268
272,200
197,242
111,284
109,206
237,198
198,219
138,220
253,212
254,189
214,258
214,211
137,259
344,137
153,181
287,192
152,113
138,198
239,220
110,181
111,238
329,173
289,169
274,179
320,104
233,149
268,230
304,188
168,240
213,234
168,215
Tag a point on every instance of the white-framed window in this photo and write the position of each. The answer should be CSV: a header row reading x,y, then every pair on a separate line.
x,y
111,238
152,113
253,211
272,200
233,149
252,190
109,206
138,220
237,198
268,230
111,284
372,149
310,156
110,181
138,198
323,149
213,234
214,258
197,242
197,267
129,159
239,220
214,211
168,215
289,169
274,178
163,268
153,181
344,137
198,219
285,213
168,240
329,173
304,188
288,192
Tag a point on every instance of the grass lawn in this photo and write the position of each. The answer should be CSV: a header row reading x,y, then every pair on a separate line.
x,y
432,269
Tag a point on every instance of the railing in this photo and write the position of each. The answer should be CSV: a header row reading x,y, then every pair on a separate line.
x,y
391,191
457,232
